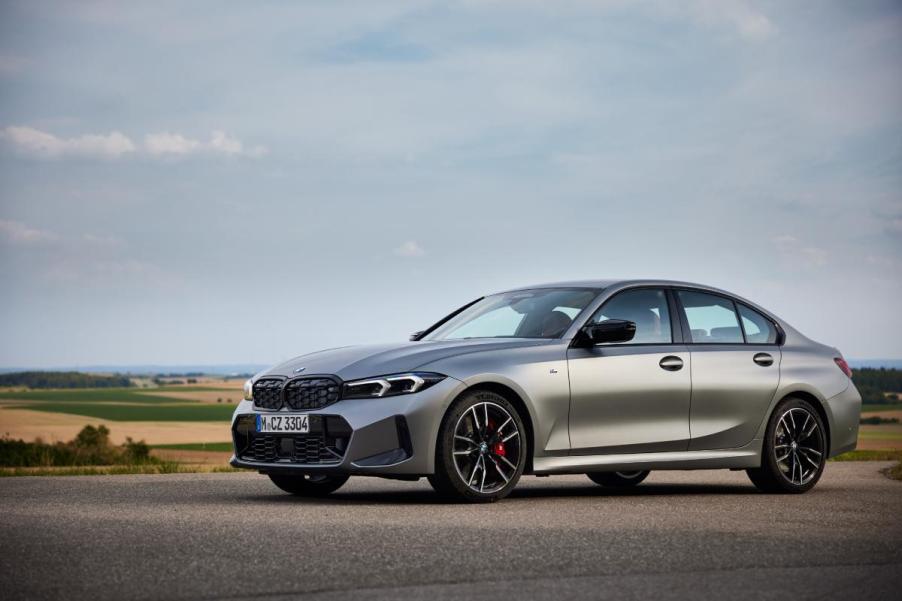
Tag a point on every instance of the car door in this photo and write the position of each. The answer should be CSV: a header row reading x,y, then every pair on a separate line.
x,y
735,368
632,397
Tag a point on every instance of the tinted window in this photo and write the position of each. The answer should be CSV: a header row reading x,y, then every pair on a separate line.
x,y
758,328
542,313
712,319
647,308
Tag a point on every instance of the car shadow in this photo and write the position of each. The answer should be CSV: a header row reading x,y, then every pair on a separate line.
x,y
426,496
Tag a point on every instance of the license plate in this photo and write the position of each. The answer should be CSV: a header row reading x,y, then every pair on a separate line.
x,y
291,424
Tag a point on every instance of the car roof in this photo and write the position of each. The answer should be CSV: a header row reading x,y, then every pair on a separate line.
x,y
608,283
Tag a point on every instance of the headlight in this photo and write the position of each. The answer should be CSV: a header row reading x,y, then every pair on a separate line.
x,y
249,390
391,385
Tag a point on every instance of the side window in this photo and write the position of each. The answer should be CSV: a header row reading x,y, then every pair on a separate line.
x,y
712,319
758,328
647,308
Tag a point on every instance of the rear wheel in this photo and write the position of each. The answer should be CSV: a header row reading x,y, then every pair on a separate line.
x,y
308,485
481,450
795,449
618,479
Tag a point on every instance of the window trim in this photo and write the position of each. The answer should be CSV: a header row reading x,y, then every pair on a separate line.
x,y
676,330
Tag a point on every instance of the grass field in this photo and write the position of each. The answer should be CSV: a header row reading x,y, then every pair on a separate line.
x,y
220,447
888,407
104,395
138,412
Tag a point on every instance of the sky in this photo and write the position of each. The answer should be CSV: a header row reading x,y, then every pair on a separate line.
x,y
214,182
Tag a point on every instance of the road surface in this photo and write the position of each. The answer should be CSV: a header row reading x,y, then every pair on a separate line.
x,y
679,535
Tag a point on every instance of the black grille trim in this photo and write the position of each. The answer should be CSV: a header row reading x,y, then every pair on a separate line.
x,y
311,392
325,444
305,393
268,393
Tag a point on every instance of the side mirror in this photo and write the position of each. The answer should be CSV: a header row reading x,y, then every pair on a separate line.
x,y
611,330
416,335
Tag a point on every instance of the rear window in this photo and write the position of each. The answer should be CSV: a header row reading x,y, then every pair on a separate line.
x,y
758,328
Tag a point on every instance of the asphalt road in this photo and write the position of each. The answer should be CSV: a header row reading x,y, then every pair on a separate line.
x,y
235,536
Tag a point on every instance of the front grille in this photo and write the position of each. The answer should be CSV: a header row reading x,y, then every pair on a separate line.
x,y
268,393
324,444
300,394
311,393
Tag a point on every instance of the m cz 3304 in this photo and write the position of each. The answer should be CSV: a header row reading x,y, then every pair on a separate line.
x,y
608,378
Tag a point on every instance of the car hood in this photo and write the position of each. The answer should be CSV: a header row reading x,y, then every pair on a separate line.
x,y
355,362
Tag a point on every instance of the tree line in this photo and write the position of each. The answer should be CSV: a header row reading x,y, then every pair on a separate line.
x,y
63,379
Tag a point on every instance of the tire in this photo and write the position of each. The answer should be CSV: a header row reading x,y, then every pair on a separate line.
x,y
309,485
618,479
794,452
481,449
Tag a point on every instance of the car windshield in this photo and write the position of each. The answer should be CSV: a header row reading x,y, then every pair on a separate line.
x,y
540,313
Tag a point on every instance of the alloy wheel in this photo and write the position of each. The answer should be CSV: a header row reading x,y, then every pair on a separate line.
x,y
798,446
486,448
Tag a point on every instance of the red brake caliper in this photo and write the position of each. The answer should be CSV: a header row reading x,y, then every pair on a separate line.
x,y
498,447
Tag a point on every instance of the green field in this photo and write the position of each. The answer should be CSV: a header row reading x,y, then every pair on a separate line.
x,y
888,407
100,395
196,412
221,447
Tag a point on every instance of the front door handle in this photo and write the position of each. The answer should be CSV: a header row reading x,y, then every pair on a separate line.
x,y
763,359
671,363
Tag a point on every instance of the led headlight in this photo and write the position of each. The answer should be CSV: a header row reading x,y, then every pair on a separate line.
x,y
249,390
392,385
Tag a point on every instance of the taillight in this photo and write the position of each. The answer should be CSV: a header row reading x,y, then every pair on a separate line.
x,y
841,363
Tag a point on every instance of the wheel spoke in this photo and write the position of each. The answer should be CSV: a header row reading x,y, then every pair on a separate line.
x,y
509,436
809,460
815,451
783,458
793,421
469,440
505,460
498,469
485,407
482,483
473,474
467,452
501,427
807,435
475,418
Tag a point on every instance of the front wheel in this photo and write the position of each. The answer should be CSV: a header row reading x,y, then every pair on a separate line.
x,y
794,450
618,479
308,485
481,450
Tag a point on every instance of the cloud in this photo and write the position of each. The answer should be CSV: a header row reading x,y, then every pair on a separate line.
x,y
411,248
174,144
34,142
40,144
750,23
795,250
15,232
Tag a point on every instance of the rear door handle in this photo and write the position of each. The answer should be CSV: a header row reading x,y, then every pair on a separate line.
x,y
671,363
763,359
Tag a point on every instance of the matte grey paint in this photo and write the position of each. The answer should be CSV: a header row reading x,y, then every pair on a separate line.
x,y
607,408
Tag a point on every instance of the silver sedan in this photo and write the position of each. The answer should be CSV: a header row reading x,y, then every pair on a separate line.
x,y
609,378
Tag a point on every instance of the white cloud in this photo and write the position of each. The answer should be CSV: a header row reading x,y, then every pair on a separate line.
x,y
795,250
167,143
750,23
34,142
411,248
15,232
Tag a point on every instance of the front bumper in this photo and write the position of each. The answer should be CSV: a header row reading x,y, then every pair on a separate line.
x,y
379,436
